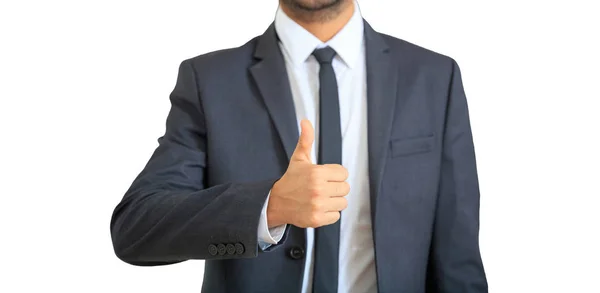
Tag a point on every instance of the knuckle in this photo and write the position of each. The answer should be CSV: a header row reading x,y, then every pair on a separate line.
x,y
314,220
315,190
303,224
316,206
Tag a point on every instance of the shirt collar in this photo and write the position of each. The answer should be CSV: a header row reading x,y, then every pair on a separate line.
x,y
299,43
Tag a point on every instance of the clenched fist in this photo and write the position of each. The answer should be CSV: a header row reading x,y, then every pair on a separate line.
x,y
308,195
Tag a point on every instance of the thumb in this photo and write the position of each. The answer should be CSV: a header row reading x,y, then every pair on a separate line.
x,y
305,142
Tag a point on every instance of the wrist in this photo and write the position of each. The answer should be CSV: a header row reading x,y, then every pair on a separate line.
x,y
274,217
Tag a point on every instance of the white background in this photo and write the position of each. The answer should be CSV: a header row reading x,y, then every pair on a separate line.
x,y
84,91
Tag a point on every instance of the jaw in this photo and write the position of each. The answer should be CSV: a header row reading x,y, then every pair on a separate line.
x,y
314,11
312,5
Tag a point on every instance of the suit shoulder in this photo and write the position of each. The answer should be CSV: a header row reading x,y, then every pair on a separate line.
x,y
419,55
216,61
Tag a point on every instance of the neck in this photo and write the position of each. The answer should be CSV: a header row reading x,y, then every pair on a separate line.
x,y
322,24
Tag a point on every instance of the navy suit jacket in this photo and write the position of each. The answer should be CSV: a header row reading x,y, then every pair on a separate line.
x,y
229,136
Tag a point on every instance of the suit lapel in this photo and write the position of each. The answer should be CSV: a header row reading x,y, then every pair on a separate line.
x,y
271,77
382,80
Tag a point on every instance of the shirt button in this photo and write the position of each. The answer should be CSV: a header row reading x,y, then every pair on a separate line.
x,y
212,249
230,249
221,248
296,252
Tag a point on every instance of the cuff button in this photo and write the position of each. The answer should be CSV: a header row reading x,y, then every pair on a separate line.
x,y
230,249
212,249
221,248
239,248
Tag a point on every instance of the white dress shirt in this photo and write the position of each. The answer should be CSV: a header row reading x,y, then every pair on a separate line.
x,y
356,261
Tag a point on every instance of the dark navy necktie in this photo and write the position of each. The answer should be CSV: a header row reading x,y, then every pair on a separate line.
x,y
327,238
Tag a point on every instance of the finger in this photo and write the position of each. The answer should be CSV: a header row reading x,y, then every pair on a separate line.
x,y
336,189
305,142
330,218
334,172
336,204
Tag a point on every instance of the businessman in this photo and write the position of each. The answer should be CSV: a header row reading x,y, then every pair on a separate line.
x,y
319,157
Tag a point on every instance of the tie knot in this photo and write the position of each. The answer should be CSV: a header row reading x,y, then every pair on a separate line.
x,y
324,55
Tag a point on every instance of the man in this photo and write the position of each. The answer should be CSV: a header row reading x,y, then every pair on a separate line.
x,y
380,196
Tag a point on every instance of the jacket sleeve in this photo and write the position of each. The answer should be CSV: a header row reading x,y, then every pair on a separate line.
x,y
455,263
169,215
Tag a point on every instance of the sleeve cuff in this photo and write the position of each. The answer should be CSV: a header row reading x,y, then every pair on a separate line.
x,y
266,236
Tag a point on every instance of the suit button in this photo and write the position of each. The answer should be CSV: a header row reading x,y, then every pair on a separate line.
x,y
239,248
212,249
221,248
296,253
230,249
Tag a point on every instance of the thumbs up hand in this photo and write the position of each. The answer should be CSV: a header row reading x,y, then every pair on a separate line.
x,y
308,195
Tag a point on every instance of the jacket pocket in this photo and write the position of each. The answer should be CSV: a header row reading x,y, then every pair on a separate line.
x,y
411,146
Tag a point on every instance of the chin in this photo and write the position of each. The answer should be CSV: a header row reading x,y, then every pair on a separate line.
x,y
313,5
